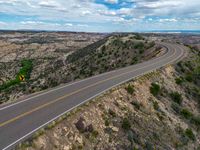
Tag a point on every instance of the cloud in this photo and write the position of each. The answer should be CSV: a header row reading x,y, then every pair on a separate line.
x,y
168,20
48,3
106,14
68,24
86,12
3,24
112,1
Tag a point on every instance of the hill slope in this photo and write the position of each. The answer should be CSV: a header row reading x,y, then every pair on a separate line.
x,y
50,69
159,110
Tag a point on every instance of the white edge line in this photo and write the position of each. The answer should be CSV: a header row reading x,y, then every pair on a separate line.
x,y
64,86
85,102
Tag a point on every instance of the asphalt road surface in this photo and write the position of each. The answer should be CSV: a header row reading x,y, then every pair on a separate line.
x,y
21,119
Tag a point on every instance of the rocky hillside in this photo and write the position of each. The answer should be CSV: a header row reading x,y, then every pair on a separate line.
x,y
41,50
51,63
160,110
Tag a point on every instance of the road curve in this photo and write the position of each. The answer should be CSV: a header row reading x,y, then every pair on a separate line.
x,y
20,120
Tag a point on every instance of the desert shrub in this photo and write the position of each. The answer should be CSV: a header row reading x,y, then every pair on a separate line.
x,y
189,133
141,51
112,113
99,55
80,147
197,71
186,113
138,37
139,45
179,81
103,48
89,128
149,146
176,107
195,120
130,89
176,97
133,137
189,77
95,133
126,124
136,104
198,148
155,89
155,105
118,42
134,61
152,44
107,122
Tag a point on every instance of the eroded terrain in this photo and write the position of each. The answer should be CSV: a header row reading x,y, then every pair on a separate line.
x,y
47,60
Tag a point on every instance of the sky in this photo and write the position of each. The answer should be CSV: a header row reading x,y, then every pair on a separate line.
x,y
100,15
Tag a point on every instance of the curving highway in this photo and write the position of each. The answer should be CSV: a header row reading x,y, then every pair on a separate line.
x,y
21,119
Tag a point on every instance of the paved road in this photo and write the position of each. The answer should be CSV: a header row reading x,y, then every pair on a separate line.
x,y
20,120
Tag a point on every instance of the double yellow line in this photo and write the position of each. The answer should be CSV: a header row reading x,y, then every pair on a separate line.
x,y
67,95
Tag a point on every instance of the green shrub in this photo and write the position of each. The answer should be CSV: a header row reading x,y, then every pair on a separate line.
x,y
95,133
155,89
149,146
179,81
176,107
134,60
152,44
195,120
155,105
138,37
25,71
107,123
198,148
126,124
130,89
186,113
103,48
139,45
176,97
197,70
189,77
141,51
136,104
189,133
112,113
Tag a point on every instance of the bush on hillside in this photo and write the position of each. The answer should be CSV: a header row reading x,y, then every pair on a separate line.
x,y
155,89
176,97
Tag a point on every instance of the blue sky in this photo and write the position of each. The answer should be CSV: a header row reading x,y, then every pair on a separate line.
x,y
100,15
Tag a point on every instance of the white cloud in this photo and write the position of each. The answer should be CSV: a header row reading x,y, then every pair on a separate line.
x,y
82,25
48,3
3,24
112,1
168,20
87,12
69,24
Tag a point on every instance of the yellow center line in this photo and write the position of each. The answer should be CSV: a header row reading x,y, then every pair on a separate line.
x,y
67,95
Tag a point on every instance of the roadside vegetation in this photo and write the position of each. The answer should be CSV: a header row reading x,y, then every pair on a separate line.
x,y
155,89
130,89
25,71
